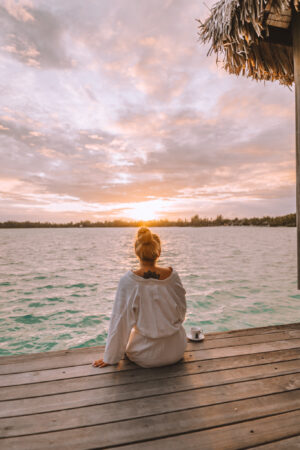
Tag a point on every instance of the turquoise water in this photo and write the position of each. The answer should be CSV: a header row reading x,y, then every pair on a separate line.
x,y
57,286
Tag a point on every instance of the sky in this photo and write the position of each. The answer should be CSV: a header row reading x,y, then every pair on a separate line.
x,y
112,109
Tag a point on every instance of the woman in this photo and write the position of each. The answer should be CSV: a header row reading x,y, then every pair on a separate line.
x,y
148,311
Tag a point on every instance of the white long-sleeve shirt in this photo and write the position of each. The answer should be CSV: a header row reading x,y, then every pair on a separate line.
x,y
154,308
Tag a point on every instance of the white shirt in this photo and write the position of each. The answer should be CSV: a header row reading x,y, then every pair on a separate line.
x,y
155,308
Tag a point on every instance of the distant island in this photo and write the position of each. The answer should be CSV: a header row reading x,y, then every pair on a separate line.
x,y
281,221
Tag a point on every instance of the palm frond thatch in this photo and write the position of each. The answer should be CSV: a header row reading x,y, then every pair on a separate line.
x,y
238,29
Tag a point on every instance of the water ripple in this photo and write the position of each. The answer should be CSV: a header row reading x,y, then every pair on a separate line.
x,y
57,286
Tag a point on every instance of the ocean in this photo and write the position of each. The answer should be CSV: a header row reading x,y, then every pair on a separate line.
x,y
57,286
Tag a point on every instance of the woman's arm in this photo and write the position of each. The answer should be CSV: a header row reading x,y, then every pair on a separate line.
x,y
122,320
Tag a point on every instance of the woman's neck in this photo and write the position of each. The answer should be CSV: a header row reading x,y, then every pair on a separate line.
x,y
147,265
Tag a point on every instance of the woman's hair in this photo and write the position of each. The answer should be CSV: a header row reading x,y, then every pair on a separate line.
x,y
147,245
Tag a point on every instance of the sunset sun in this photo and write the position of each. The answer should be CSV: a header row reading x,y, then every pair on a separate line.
x,y
149,210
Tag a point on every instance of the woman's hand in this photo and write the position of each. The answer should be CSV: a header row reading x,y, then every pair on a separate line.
x,y
100,363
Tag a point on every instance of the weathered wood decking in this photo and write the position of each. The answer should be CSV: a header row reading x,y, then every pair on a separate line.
x,y
237,389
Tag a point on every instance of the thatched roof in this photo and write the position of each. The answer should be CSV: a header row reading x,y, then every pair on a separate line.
x,y
254,37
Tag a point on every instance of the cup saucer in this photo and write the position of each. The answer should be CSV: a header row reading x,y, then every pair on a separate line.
x,y
201,337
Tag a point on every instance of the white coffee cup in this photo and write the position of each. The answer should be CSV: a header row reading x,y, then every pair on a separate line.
x,y
196,332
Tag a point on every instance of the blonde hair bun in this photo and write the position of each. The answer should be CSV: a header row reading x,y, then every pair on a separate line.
x,y
144,235
147,245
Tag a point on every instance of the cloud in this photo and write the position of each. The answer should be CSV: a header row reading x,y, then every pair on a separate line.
x,y
113,107
19,10
36,38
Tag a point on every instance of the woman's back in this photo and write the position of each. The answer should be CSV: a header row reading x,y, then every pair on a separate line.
x,y
160,305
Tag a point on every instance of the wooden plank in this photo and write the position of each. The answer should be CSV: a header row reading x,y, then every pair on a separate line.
x,y
242,349
148,406
279,23
162,425
231,437
284,11
296,56
134,376
284,444
224,352
284,15
280,20
143,388
88,358
242,340
253,331
12,359
62,360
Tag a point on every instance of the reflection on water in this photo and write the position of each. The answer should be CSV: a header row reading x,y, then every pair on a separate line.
x,y
57,286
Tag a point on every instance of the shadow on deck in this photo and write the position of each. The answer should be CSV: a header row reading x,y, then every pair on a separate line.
x,y
237,389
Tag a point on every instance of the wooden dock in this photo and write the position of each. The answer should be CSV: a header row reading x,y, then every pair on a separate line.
x,y
235,390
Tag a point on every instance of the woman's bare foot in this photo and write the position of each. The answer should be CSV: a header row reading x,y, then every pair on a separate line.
x,y
100,363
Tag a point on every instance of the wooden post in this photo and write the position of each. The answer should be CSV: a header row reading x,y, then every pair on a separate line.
x,y
296,51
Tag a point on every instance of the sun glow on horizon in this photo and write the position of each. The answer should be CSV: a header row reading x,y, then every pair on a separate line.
x,y
149,210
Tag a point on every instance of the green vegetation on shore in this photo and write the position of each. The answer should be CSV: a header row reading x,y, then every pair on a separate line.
x,y
281,221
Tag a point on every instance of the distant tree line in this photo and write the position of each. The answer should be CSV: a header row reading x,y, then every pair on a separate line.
x,y
266,221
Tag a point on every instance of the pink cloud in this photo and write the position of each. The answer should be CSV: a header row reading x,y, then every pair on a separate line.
x,y
18,10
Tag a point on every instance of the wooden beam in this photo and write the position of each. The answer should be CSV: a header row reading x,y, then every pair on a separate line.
x,y
296,53
278,23
282,20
